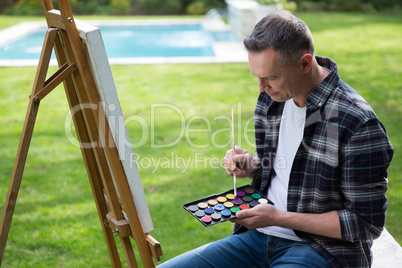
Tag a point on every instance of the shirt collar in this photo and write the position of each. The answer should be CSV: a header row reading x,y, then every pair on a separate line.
x,y
320,94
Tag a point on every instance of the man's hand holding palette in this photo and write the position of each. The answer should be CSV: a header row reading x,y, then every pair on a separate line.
x,y
221,207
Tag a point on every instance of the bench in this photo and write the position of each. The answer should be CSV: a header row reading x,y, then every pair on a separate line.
x,y
387,252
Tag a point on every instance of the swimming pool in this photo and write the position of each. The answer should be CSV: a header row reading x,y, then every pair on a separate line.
x,y
150,41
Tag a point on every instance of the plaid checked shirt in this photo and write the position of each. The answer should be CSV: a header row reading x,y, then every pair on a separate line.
x,y
341,164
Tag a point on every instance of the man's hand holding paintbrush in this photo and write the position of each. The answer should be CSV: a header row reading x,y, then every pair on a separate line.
x,y
240,161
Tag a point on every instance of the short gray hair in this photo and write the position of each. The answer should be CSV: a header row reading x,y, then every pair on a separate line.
x,y
289,36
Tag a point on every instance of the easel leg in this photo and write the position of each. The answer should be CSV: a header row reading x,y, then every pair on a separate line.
x,y
89,158
25,141
128,251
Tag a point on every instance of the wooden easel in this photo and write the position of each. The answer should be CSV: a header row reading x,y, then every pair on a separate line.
x,y
116,209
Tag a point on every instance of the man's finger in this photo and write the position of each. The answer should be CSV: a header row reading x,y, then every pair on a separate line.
x,y
245,213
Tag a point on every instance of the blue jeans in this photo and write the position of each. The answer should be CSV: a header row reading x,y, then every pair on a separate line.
x,y
249,249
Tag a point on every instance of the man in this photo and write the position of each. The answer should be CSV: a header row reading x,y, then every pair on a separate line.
x,y
322,157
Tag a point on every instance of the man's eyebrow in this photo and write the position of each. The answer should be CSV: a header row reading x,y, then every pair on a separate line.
x,y
255,74
265,77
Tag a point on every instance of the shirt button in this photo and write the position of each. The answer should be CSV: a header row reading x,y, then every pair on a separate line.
x,y
319,104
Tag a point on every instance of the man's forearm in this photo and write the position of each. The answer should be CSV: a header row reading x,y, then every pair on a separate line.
x,y
326,224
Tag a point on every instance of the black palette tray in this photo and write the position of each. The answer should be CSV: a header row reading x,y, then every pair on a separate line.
x,y
221,207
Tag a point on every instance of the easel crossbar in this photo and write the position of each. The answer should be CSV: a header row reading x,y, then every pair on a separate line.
x,y
55,80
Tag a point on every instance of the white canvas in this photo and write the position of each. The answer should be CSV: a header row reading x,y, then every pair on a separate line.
x,y
102,74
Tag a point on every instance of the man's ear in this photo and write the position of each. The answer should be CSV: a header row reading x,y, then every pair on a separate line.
x,y
305,62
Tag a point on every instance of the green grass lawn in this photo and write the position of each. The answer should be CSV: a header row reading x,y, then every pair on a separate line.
x,y
55,223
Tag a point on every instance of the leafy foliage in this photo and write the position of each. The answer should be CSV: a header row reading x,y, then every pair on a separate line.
x,y
33,7
350,5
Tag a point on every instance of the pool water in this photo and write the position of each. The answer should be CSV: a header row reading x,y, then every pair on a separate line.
x,y
134,41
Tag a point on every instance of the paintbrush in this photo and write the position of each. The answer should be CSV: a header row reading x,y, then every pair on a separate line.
x,y
234,172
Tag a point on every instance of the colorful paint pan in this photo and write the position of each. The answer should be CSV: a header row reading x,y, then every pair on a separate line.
x,y
206,219
247,198
253,203
222,199
202,205
235,209
256,196
226,213
237,201
249,190
209,211
228,204
241,193
193,208
230,196
214,209
216,216
244,206
212,202
199,213
219,207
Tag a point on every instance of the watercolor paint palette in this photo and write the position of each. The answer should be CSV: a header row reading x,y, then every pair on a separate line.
x,y
221,207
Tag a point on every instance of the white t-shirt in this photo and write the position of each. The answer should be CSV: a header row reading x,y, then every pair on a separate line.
x,y
290,137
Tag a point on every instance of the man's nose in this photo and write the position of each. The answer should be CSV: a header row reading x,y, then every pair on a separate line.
x,y
262,85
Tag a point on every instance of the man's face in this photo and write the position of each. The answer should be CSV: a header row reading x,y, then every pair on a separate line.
x,y
280,82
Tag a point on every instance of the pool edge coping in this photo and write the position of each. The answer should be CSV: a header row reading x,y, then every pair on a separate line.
x,y
234,52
